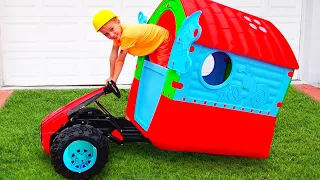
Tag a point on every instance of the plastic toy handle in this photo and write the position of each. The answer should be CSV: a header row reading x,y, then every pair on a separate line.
x,y
142,19
112,87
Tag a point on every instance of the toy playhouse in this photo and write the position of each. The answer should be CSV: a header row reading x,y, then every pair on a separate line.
x,y
232,110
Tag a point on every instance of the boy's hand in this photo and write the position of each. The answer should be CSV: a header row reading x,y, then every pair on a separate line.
x,y
109,79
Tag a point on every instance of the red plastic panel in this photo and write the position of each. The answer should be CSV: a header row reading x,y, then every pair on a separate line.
x,y
235,31
187,127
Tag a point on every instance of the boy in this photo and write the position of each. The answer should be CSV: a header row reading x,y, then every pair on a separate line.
x,y
135,39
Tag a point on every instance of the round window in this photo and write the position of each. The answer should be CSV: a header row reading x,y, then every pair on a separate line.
x,y
216,68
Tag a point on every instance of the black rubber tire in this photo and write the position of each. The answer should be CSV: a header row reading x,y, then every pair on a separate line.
x,y
79,132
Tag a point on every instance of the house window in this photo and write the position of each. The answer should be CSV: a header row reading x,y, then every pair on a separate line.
x,y
216,68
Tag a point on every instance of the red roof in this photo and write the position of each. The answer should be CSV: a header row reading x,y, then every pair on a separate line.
x,y
228,29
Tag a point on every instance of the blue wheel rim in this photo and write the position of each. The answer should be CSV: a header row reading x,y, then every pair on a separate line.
x,y
80,156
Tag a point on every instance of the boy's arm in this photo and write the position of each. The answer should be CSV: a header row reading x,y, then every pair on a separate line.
x,y
119,64
113,58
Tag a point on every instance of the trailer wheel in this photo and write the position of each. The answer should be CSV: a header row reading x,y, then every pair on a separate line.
x,y
79,152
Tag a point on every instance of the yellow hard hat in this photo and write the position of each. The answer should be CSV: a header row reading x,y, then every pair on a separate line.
x,y
101,18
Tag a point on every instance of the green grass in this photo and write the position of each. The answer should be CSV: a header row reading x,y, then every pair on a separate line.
x,y
295,152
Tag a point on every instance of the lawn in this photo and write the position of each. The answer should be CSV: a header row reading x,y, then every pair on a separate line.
x,y
295,152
